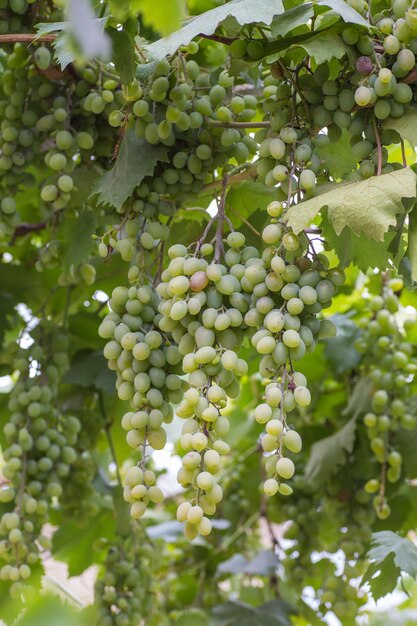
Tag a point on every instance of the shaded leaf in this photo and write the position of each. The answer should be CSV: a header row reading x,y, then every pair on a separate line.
x,y
123,54
364,253
367,207
244,11
292,18
325,47
275,613
263,564
73,541
382,577
404,551
406,125
137,159
76,236
338,156
90,370
340,350
346,12
327,454
390,555
243,199
235,565
49,611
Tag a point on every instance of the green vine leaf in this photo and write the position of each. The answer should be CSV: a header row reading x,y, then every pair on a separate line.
x,y
390,555
346,12
325,47
367,207
406,125
137,159
291,19
329,453
244,12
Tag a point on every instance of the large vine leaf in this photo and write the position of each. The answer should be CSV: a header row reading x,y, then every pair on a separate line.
x,y
76,237
324,47
346,12
244,198
364,253
164,17
123,54
338,156
292,18
390,555
328,453
340,350
137,159
406,125
244,12
367,207
275,613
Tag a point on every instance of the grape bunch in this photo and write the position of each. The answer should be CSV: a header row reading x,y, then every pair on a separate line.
x,y
389,363
292,294
148,370
40,453
204,298
122,589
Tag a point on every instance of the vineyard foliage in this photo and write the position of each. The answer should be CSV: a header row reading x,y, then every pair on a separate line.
x,y
208,246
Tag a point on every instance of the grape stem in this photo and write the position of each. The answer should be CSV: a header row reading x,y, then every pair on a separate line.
x,y
379,147
25,38
217,124
221,206
23,229
219,38
231,180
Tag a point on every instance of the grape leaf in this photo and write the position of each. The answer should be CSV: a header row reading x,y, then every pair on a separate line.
x,y
346,12
76,236
406,125
411,252
164,17
73,541
243,199
364,253
275,613
191,617
137,159
390,555
324,47
382,577
244,11
338,156
367,207
292,18
340,350
263,564
89,369
328,453
405,552
123,54
48,610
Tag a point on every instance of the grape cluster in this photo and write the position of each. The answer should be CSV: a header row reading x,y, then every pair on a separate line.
x,y
203,303
148,367
40,453
293,294
121,590
388,362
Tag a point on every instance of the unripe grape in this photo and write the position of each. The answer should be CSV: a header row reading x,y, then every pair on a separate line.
x,y
270,487
285,468
292,441
195,515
